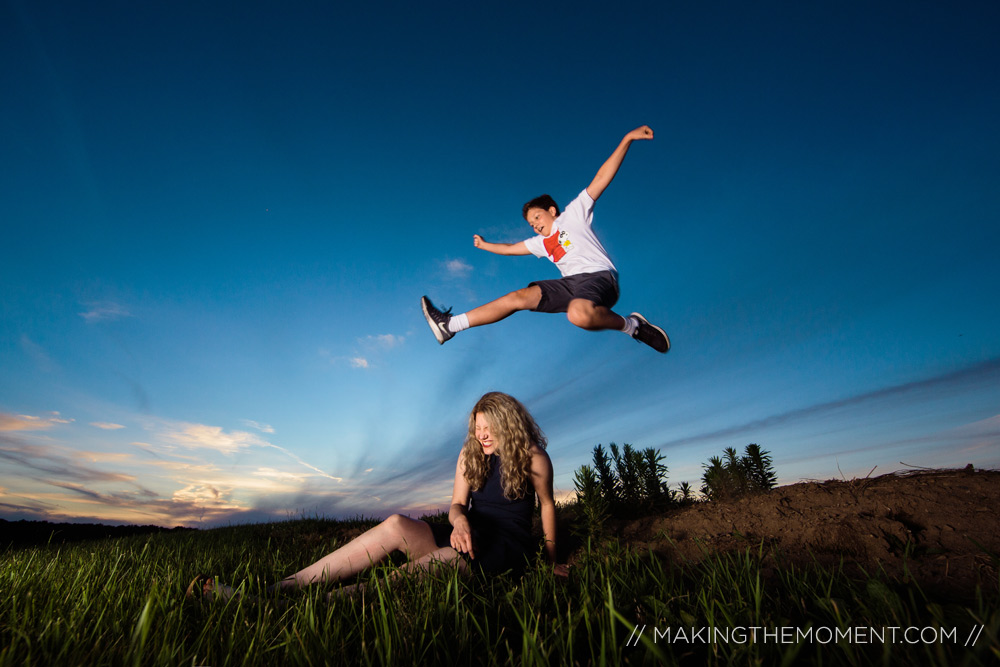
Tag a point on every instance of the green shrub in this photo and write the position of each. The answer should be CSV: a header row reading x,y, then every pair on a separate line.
x,y
734,476
624,481
591,500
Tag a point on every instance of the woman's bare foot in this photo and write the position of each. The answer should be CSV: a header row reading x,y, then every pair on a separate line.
x,y
206,588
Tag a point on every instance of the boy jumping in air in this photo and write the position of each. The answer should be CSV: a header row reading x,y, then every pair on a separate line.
x,y
588,288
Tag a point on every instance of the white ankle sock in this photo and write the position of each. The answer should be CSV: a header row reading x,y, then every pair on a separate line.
x,y
458,323
631,324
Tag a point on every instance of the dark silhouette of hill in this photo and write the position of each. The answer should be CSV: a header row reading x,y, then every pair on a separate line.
x,y
23,533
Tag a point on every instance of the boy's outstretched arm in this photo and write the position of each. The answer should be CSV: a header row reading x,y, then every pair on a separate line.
x,y
500,248
610,167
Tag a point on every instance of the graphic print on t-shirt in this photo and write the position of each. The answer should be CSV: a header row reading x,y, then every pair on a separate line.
x,y
557,245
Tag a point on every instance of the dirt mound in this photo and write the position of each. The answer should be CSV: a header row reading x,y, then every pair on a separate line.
x,y
939,527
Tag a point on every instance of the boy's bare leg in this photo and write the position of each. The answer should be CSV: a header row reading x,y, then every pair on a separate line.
x,y
395,533
494,311
588,315
580,312
583,313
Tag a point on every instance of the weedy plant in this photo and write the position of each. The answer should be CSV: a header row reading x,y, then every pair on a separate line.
x,y
685,494
622,481
591,501
734,476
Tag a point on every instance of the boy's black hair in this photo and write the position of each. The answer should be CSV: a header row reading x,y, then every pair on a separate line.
x,y
543,202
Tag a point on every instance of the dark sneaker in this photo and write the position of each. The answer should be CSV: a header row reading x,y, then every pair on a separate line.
x,y
437,320
651,335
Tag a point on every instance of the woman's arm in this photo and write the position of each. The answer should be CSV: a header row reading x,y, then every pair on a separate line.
x,y
541,477
458,517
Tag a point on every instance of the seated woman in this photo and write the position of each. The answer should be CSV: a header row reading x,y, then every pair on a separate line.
x,y
501,467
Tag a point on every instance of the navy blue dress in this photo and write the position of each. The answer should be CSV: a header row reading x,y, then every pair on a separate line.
x,y
501,528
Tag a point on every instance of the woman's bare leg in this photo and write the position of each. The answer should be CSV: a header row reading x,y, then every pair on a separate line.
x,y
398,532
445,557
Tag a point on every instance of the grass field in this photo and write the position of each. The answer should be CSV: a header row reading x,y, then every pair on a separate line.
x,y
120,602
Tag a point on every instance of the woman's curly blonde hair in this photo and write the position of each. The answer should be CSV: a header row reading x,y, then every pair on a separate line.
x,y
514,431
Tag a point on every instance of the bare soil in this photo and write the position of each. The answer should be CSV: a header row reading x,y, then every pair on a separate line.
x,y
939,528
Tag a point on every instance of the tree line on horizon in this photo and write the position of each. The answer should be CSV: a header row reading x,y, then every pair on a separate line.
x,y
24,532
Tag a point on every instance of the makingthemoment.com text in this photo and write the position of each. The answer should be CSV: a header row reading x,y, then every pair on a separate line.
x,y
795,635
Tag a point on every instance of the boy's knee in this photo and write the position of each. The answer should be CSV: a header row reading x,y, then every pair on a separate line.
x,y
581,314
525,298
580,320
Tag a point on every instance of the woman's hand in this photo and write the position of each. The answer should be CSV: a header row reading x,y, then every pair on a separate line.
x,y
477,240
461,536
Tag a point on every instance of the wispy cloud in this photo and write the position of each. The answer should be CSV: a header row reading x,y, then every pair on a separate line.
x,y
384,341
174,478
104,311
34,509
106,426
105,457
986,372
263,428
367,352
38,353
205,496
159,451
10,422
21,423
190,491
989,427
80,490
188,505
202,436
280,475
355,360
191,473
301,462
52,463
215,438
457,268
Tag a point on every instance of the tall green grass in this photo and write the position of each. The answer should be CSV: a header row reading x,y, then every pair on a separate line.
x,y
120,602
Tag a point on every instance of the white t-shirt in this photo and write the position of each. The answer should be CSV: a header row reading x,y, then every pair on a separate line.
x,y
572,245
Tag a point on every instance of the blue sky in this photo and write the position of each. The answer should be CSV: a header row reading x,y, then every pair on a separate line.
x,y
218,220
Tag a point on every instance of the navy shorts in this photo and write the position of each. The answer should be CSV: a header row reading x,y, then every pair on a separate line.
x,y
599,288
